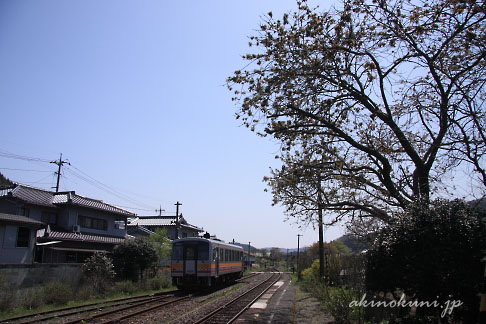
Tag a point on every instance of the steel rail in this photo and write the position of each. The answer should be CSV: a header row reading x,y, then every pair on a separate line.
x,y
89,318
116,320
253,301
219,309
16,318
96,307
247,277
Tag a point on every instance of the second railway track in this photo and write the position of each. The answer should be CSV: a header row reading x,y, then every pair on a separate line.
x,y
231,310
93,313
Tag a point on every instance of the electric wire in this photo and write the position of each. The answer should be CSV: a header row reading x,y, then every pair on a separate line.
x,y
22,157
77,173
26,170
99,185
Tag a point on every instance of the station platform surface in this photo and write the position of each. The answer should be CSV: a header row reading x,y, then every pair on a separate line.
x,y
274,307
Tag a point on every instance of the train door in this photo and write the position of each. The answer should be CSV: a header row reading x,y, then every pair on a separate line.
x,y
190,259
216,259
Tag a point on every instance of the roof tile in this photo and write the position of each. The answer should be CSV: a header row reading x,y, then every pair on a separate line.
x,y
69,236
37,196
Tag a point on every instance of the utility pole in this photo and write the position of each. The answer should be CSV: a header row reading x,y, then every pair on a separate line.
x,y
177,219
321,230
160,210
298,252
59,164
249,247
287,259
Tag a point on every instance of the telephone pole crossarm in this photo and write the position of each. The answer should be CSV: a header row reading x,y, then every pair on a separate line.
x,y
59,164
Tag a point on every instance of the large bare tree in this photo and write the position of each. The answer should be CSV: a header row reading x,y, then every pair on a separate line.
x,y
389,94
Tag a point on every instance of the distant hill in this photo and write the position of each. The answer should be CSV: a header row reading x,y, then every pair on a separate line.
x,y
283,250
478,203
353,243
244,246
5,182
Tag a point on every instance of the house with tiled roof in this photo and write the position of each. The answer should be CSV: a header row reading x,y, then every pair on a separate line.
x,y
74,227
17,238
176,228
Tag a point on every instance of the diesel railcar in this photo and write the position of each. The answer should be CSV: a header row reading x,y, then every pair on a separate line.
x,y
204,262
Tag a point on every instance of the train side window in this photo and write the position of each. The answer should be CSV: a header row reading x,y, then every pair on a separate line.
x,y
215,253
221,256
233,255
177,250
203,251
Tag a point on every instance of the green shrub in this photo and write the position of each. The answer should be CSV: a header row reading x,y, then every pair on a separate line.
x,y
126,287
160,282
57,292
98,269
6,299
337,302
6,295
86,293
31,298
134,257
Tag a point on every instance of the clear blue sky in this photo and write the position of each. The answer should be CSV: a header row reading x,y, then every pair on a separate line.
x,y
132,93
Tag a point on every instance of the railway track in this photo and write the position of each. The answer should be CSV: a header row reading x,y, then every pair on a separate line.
x,y
93,313
231,310
251,275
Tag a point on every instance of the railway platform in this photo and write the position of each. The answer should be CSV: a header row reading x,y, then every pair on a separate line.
x,y
274,307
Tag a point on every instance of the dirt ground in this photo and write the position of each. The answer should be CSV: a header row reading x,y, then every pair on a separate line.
x,y
308,310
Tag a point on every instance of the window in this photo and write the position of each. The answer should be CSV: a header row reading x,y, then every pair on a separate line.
x,y
203,251
71,257
49,218
184,235
177,250
23,237
24,211
120,224
190,252
94,223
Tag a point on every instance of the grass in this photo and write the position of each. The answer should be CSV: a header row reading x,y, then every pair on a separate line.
x,y
21,311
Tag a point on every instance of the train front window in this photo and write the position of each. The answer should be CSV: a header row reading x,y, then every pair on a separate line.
x,y
177,251
203,251
190,252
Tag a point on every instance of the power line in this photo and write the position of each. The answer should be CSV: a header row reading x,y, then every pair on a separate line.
x,y
95,183
22,157
26,170
130,207
78,174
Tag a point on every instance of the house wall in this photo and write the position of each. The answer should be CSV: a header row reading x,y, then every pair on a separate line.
x,y
183,232
8,207
75,212
188,233
67,216
9,252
